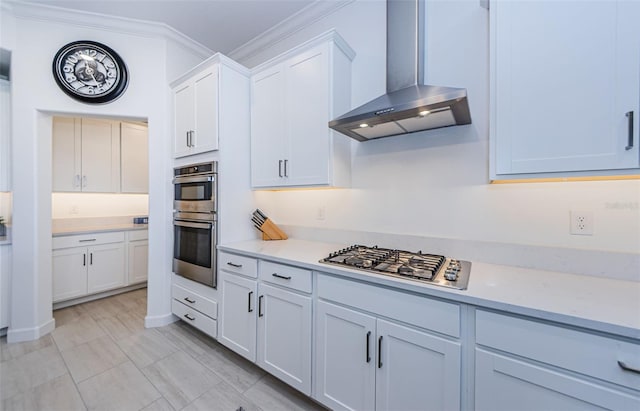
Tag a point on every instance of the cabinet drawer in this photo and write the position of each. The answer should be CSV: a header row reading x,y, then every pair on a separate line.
x,y
195,318
137,235
286,276
578,351
238,264
195,301
423,312
88,239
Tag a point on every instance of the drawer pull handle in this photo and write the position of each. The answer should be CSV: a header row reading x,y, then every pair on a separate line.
x,y
190,301
628,368
88,240
630,128
249,309
188,317
380,352
368,354
84,260
234,265
260,313
284,277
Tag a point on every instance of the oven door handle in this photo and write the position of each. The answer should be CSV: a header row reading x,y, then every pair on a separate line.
x,y
192,225
192,179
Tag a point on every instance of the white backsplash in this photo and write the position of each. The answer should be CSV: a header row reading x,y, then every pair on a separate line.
x,y
89,205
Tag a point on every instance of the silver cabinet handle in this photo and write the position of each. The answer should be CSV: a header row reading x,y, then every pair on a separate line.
x,y
288,277
285,168
84,181
188,317
187,135
630,128
87,240
234,264
628,368
76,180
279,168
190,301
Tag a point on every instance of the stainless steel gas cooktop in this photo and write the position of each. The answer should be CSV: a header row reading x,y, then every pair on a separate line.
x,y
429,268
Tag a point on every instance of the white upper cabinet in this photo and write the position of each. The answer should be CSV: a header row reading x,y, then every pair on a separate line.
x,y
134,158
196,102
86,155
293,97
565,88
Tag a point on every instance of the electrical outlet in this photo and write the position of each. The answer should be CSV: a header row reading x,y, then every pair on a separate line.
x,y
321,213
74,210
581,223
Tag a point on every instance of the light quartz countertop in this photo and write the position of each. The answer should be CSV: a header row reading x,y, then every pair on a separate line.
x,y
601,304
62,231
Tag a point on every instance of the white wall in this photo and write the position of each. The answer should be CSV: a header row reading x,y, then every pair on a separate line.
x,y
435,184
36,97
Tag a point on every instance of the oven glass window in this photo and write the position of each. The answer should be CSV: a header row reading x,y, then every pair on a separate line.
x,y
193,191
192,245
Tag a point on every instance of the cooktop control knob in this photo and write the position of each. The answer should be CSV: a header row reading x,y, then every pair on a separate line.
x,y
451,275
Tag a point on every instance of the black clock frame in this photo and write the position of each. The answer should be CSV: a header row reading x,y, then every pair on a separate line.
x,y
113,94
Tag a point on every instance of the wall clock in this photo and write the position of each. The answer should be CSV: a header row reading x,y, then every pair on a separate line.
x,y
90,72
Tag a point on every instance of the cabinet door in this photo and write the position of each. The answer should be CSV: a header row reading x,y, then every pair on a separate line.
x,y
100,156
238,314
205,137
268,128
416,371
5,136
134,158
106,267
69,273
504,383
184,120
566,74
66,145
284,336
307,114
345,358
138,261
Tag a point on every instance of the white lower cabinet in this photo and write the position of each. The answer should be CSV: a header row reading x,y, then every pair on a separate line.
x,y
266,317
284,336
238,316
529,365
194,308
381,349
367,363
138,256
91,263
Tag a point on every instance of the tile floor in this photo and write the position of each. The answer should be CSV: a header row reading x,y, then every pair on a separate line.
x,y
100,357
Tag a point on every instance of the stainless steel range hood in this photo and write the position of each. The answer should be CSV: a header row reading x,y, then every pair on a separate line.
x,y
409,105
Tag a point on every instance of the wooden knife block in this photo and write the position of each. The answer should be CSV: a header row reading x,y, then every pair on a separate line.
x,y
270,231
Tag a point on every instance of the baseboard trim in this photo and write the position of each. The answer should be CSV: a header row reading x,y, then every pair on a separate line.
x,y
30,334
159,320
87,298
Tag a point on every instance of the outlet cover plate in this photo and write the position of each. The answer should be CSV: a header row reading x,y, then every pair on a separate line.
x,y
581,223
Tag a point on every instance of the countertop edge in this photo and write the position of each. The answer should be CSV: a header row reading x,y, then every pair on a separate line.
x,y
460,296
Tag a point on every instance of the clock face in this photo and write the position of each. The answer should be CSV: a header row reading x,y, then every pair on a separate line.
x,y
90,72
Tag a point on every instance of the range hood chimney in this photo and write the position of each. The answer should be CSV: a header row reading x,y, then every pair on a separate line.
x,y
409,105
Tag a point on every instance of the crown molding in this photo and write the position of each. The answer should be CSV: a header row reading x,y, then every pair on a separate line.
x,y
142,28
302,19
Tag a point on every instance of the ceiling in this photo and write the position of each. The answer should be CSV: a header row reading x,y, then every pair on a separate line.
x,y
220,25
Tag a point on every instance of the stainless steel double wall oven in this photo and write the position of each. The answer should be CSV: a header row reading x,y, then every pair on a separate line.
x,y
194,222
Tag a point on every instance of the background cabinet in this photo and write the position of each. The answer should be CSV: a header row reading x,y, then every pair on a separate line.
x,y
134,158
138,256
86,155
196,113
564,75
293,97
